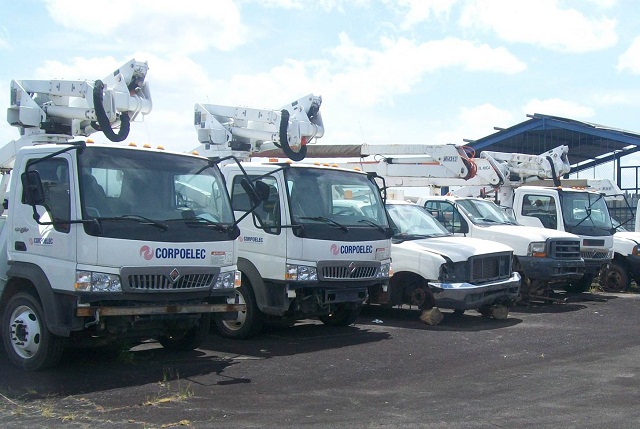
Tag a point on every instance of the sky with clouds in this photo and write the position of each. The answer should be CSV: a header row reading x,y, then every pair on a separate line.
x,y
389,71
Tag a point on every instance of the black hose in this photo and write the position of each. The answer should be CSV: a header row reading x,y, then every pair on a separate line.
x,y
556,180
103,121
284,139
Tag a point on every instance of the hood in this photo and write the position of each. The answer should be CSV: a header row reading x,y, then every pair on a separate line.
x,y
628,235
519,236
455,248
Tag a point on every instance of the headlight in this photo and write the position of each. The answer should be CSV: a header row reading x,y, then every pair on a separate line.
x,y
385,271
89,281
454,272
636,250
301,273
228,280
537,249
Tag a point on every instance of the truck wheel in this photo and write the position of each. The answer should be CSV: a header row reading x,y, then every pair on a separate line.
x,y
343,315
582,285
615,279
190,339
27,339
247,323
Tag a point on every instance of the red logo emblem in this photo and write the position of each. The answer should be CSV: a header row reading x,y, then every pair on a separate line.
x,y
146,252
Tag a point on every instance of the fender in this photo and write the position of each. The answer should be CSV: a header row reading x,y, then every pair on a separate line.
x,y
271,301
59,309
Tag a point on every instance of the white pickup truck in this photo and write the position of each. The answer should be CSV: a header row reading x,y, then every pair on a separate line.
x,y
434,269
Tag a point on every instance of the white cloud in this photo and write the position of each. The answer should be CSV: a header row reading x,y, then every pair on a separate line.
x,y
543,23
629,61
423,10
327,5
186,26
475,122
368,77
558,107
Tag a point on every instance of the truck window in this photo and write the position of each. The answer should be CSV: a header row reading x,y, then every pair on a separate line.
x,y
268,212
542,207
445,213
54,174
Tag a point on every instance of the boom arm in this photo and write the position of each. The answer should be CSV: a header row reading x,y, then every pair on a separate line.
x,y
242,131
58,110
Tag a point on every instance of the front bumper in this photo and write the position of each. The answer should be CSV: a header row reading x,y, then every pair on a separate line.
x,y
550,269
467,296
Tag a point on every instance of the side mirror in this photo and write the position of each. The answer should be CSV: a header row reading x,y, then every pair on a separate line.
x,y
33,189
464,227
257,193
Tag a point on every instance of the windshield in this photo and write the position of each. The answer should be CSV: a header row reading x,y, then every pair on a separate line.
x,y
330,200
586,210
147,192
413,220
482,212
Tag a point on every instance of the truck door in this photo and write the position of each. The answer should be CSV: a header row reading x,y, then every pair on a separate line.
x,y
538,210
51,246
261,233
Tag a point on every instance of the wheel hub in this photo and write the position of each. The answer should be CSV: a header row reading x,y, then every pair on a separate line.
x,y
25,332
241,315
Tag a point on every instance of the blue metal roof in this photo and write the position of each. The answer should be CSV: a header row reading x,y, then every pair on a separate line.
x,y
589,144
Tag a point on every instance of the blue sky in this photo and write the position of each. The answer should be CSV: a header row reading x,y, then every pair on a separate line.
x,y
389,71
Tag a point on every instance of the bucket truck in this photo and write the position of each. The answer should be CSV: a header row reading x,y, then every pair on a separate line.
x,y
523,186
103,244
300,256
544,258
625,265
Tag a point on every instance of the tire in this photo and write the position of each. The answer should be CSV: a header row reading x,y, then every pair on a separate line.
x,y
582,285
28,342
189,340
343,315
248,323
615,278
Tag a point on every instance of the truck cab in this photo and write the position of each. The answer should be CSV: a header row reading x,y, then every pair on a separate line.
x,y
110,244
577,211
301,253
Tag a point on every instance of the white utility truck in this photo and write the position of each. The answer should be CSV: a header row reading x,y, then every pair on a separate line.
x,y
106,244
521,184
433,269
625,265
543,258
300,255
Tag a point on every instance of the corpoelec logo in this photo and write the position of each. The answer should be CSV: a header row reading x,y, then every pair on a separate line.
x,y
148,253
348,249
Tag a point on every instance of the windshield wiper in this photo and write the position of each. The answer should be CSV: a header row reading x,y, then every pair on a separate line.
x,y
372,223
201,221
140,219
403,236
326,220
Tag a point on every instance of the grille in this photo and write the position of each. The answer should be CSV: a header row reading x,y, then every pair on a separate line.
x,y
346,273
565,249
163,282
348,270
492,267
595,254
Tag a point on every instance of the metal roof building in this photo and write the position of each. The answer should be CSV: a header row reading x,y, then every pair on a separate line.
x,y
589,144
